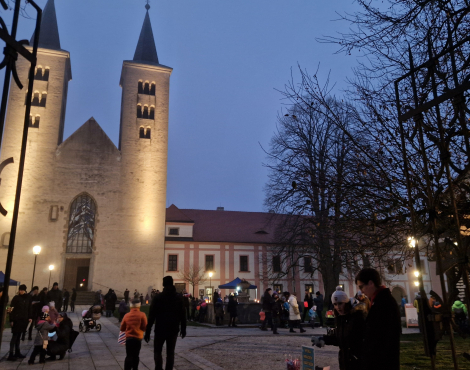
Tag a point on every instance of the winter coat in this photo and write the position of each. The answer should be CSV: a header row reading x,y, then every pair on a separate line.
x,y
232,307
134,323
186,300
122,307
126,295
167,312
348,335
110,298
318,301
293,303
74,296
219,308
267,301
382,334
21,312
35,309
309,300
458,307
42,297
62,343
97,298
55,295
43,328
66,297
276,308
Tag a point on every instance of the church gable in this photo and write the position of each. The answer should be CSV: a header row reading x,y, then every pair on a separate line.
x,y
89,143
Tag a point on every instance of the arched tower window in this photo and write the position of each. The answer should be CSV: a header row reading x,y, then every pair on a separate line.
x,y
146,88
144,133
152,88
45,76
146,112
42,103
81,225
35,99
38,75
139,111
140,88
152,112
34,121
147,133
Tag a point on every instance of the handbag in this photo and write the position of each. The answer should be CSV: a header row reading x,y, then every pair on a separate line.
x,y
122,338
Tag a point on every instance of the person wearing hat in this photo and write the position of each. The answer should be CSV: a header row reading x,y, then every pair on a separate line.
x,y
55,295
44,326
349,332
20,316
168,313
134,324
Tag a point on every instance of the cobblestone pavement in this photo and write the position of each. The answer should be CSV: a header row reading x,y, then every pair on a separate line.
x,y
207,348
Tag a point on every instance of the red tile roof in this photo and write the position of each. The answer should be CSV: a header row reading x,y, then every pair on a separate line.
x,y
226,226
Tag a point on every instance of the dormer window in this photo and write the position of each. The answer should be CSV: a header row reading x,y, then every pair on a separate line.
x,y
174,231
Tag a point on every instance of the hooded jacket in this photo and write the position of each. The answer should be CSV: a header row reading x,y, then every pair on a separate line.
x,y
167,312
459,306
62,343
348,336
43,328
21,312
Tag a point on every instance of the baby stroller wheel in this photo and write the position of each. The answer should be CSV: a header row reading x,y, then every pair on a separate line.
x,y
80,327
98,327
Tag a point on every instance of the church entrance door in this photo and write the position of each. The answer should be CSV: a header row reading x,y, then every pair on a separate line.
x,y
76,273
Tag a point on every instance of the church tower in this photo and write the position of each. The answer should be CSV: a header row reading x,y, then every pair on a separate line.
x,y
46,127
143,142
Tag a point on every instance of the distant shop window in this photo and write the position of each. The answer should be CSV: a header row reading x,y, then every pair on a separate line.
x,y
180,287
308,267
174,231
173,262
209,262
277,264
278,288
244,263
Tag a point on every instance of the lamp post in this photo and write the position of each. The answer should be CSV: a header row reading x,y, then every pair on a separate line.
x,y
210,285
51,267
36,251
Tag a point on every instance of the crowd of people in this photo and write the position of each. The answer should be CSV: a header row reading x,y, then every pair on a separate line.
x,y
43,312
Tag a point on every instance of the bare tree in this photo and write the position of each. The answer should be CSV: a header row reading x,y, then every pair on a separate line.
x,y
194,275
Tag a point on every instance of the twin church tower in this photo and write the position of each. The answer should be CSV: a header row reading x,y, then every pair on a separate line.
x,y
96,210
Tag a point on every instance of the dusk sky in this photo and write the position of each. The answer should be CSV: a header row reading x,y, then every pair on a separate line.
x,y
229,57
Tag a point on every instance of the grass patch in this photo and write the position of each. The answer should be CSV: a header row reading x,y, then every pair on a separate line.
x,y
412,353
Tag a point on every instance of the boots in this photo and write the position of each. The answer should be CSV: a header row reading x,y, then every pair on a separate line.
x,y
292,331
11,357
302,330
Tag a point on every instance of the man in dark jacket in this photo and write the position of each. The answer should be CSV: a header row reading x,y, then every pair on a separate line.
x,y
318,302
383,324
35,310
55,295
267,309
66,297
167,312
126,295
20,313
309,300
42,297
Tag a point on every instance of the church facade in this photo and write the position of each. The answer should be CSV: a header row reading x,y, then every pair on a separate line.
x,y
96,210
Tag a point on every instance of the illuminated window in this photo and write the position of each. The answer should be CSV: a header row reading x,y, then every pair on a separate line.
x,y
81,225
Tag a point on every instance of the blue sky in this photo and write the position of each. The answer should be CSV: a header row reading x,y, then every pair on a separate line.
x,y
229,57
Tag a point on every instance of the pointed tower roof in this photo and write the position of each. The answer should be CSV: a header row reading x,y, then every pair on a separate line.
x,y
146,50
49,33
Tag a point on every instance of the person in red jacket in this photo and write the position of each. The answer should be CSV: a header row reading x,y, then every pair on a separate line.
x,y
134,324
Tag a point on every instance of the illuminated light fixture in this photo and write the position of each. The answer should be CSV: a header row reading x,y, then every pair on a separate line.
x,y
416,283
416,273
36,249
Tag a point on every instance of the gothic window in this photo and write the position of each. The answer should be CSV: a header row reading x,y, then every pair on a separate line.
x,y
38,75
146,88
152,88
145,115
152,113
42,103
139,111
45,76
34,121
42,74
140,88
147,133
35,101
144,133
81,225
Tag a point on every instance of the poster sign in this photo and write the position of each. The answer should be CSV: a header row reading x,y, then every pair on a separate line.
x,y
308,358
411,315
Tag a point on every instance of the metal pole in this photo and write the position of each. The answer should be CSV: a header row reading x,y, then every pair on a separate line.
x,y
34,270
14,224
49,284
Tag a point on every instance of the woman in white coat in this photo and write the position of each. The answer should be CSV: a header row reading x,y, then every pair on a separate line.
x,y
294,313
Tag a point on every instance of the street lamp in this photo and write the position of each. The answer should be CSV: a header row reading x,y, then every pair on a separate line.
x,y
210,285
412,242
51,267
416,273
36,251
416,283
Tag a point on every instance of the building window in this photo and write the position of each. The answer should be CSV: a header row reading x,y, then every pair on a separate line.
x,y
278,288
152,113
139,111
81,225
209,262
145,114
140,88
42,74
180,287
152,88
144,133
277,264
174,231
309,287
244,263
173,262
399,266
308,267
34,121
36,99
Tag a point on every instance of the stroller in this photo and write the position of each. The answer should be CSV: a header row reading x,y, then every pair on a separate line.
x,y
90,319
